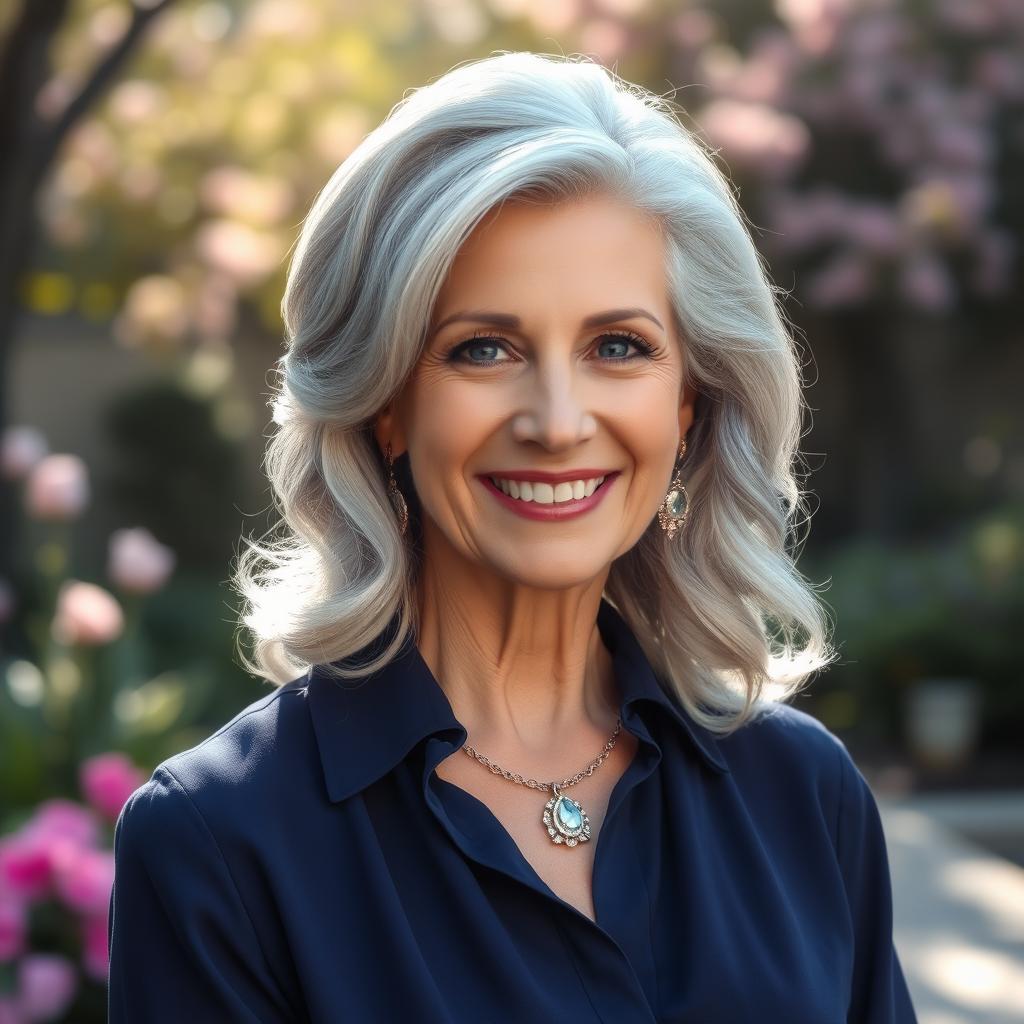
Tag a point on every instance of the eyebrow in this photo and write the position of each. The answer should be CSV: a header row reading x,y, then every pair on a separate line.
x,y
511,322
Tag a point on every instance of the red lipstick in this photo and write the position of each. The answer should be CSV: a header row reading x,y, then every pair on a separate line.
x,y
555,511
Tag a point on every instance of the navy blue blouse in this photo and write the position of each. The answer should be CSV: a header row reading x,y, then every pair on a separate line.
x,y
305,863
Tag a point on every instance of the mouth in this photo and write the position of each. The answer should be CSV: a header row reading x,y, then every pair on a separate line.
x,y
539,499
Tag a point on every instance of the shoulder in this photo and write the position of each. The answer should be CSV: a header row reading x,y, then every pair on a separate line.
x,y
787,756
789,737
242,765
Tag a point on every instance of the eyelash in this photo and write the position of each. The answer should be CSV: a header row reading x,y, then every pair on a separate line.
x,y
646,350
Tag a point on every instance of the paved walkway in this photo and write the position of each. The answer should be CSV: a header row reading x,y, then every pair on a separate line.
x,y
959,909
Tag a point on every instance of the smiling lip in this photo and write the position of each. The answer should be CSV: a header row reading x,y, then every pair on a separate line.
x,y
555,511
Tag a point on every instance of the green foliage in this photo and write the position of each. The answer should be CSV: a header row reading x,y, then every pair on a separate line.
x,y
950,607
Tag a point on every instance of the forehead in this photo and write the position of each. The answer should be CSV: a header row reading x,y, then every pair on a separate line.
x,y
593,247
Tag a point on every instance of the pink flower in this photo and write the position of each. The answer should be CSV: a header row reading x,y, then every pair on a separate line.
x,y
86,614
95,953
83,877
755,134
137,562
24,866
13,928
57,487
21,448
47,983
64,819
107,780
57,830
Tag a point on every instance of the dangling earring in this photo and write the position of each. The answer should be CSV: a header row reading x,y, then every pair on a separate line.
x,y
397,499
676,506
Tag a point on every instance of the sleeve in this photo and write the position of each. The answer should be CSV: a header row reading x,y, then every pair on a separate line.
x,y
182,945
879,993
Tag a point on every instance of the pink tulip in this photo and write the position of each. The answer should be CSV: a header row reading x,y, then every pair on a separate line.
x,y
57,488
21,448
13,927
86,614
95,952
83,877
47,984
137,562
107,780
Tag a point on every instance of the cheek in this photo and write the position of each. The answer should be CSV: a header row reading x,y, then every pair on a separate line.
x,y
434,415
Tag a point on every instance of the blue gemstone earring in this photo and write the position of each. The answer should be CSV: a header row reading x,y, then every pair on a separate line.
x,y
676,506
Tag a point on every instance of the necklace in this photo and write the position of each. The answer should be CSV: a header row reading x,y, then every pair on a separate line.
x,y
565,820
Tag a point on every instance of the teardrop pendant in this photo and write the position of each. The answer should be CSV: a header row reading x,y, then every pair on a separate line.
x,y
565,819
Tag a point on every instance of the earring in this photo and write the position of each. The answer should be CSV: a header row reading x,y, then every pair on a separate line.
x,y
397,499
676,506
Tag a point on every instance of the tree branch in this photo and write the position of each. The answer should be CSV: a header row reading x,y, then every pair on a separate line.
x,y
102,74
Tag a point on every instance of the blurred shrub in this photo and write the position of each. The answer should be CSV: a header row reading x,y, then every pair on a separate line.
x,y
947,607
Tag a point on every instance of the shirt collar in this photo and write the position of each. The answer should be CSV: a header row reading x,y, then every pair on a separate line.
x,y
365,727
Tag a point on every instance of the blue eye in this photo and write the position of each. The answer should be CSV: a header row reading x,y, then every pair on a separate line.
x,y
486,341
628,338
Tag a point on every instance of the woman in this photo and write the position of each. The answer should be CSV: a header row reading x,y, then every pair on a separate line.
x,y
529,757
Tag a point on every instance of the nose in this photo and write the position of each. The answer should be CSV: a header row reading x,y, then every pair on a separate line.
x,y
555,412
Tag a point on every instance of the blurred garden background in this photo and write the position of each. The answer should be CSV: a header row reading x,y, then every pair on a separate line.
x,y
156,161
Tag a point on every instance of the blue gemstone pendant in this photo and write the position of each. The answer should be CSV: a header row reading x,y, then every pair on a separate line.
x,y
565,819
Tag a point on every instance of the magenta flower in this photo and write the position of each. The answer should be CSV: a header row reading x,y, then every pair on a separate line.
x,y
66,819
82,877
107,780
58,829
24,866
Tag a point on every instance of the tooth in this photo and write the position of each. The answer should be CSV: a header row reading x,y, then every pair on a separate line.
x,y
525,490
590,487
543,494
563,491
513,488
579,489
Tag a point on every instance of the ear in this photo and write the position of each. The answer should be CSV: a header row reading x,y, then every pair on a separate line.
x,y
686,409
386,427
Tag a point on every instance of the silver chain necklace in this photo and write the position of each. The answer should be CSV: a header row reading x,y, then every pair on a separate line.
x,y
565,820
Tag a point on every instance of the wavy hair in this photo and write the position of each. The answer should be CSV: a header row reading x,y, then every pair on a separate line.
x,y
724,616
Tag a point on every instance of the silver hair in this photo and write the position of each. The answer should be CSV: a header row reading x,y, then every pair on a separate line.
x,y
725,617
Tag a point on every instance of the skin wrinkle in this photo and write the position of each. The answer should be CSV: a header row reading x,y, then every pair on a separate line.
x,y
508,606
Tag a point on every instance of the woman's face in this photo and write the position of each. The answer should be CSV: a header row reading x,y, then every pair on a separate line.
x,y
513,382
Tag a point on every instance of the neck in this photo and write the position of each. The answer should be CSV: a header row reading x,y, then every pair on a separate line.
x,y
524,669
